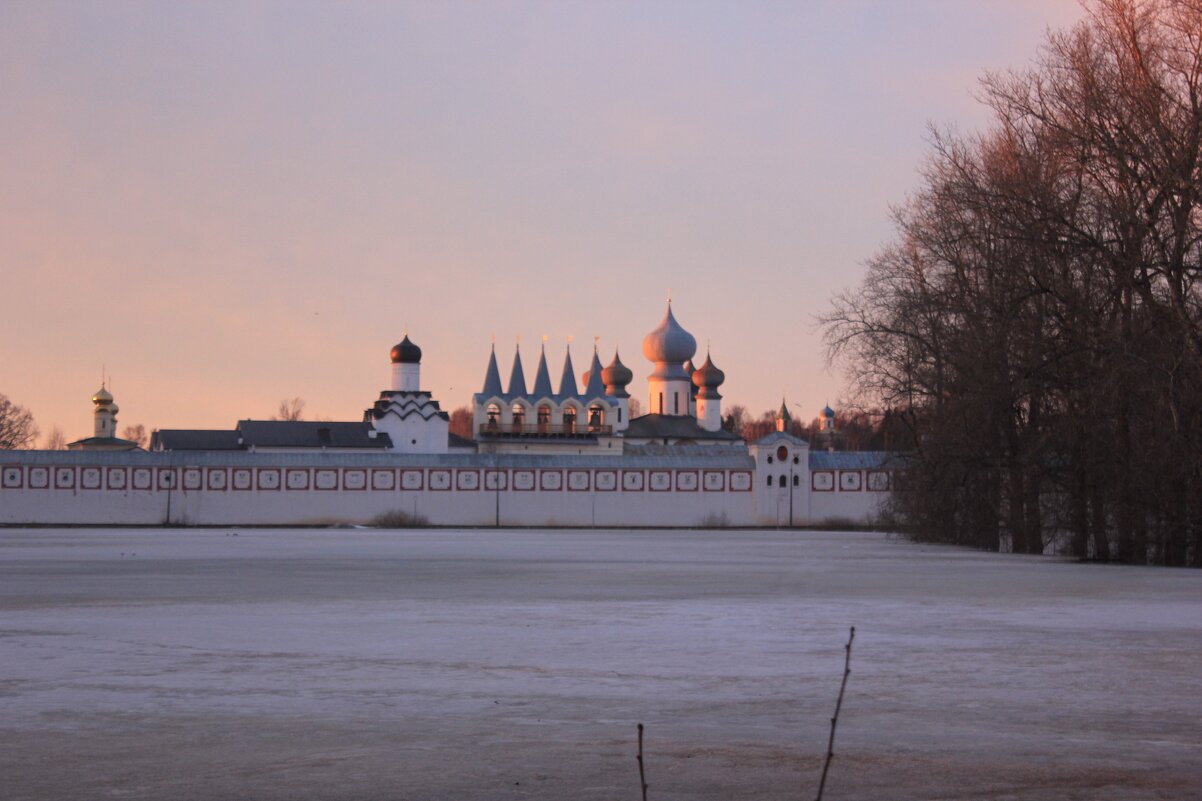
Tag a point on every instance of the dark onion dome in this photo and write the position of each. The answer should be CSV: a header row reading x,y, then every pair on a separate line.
x,y
405,352
708,375
617,374
669,342
828,412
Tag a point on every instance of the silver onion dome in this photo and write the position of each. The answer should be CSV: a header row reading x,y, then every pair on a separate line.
x,y
669,342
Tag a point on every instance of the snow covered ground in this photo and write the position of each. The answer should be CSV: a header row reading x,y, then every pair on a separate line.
x,y
473,665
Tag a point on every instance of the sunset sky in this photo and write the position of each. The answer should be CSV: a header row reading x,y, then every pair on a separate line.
x,y
229,203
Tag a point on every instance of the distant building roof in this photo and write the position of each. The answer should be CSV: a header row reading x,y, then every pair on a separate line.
x,y
691,451
309,434
853,460
103,444
194,439
456,441
780,436
660,426
271,434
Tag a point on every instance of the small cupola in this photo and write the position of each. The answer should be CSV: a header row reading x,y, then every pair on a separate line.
x,y
783,418
617,377
707,378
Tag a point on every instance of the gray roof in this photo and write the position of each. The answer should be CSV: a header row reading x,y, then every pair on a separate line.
x,y
111,443
370,458
269,434
309,434
280,434
659,426
456,441
780,436
853,460
707,452
194,439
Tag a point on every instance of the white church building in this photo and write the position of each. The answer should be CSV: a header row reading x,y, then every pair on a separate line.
x,y
563,454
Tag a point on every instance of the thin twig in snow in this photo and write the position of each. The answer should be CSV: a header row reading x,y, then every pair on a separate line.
x,y
830,746
642,775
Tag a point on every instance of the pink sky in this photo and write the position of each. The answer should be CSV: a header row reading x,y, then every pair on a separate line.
x,y
227,204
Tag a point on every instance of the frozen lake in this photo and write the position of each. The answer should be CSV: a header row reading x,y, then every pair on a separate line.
x,y
474,665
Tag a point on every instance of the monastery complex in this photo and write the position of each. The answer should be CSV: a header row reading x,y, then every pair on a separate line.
x,y
548,454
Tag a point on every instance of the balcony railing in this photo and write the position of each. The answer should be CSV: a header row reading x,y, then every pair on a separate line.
x,y
542,430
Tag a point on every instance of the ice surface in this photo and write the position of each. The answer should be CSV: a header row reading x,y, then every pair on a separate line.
x,y
473,665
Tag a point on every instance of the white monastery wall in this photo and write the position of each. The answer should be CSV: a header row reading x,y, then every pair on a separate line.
x,y
238,488
847,495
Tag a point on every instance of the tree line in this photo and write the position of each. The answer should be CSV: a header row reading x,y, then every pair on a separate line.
x,y
1036,322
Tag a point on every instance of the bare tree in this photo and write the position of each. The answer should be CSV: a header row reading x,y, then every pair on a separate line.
x,y
735,418
17,429
135,433
56,440
759,427
636,407
290,409
461,422
1037,324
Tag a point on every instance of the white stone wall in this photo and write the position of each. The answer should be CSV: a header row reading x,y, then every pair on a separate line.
x,y
288,489
847,495
414,433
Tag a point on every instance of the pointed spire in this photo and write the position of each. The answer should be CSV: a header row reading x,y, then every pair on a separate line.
x,y
492,376
542,378
567,382
596,386
517,377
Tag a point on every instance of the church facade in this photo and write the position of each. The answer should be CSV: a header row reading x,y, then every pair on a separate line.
x,y
562,455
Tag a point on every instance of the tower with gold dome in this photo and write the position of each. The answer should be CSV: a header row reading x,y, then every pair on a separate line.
x,y
104,426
